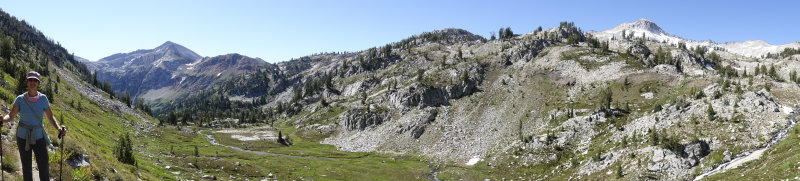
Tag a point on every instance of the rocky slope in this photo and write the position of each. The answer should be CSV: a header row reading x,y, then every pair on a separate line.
x,y
558,103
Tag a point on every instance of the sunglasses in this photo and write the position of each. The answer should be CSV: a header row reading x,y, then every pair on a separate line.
x,y
33,80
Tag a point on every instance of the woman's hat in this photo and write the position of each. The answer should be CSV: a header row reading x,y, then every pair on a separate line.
x,y
33,75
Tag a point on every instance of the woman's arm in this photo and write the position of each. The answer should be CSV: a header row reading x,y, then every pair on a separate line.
x,y
10,116
54,122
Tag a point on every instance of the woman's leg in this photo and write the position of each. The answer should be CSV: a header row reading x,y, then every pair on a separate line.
x,y
25,159
42,159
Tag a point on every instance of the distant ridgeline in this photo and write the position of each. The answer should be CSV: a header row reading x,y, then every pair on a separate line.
x,y
287,86
23,48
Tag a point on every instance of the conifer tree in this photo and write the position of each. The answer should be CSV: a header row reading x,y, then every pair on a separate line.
x,y
757,71
7,48
509,33
124,150
653,136
606,98
772,72
711,113
501,34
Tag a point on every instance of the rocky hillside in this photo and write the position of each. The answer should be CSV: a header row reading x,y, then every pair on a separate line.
x,y
168,71
94,119
631,102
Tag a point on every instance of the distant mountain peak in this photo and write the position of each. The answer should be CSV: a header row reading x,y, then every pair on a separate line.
x,y
168,44
757,42
641,25
178,50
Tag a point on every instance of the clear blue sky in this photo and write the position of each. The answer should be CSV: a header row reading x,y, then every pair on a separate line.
x,y
280,30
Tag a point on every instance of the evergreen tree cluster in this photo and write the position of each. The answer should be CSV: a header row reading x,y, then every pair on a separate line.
x,y
573,39
771,72
787,52
313,86
727,72
566,25
374,60
594,43
665,141
663,57
505,33
716,60
18,37
440,36
123,151
573,34
105,86
700,51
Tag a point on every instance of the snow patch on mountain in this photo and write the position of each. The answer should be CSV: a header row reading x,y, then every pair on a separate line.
x,y
190,66
652,32
756,48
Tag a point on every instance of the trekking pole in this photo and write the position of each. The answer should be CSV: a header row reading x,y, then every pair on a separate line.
x,y
61,165
1,152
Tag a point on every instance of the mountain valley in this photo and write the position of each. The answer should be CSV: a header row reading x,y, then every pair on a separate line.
x,y
630,103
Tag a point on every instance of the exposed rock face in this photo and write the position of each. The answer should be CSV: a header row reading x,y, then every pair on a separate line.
x,y
697,149
640,49
416,126
79,160
673,163
526,51
423,95
361,118
358,87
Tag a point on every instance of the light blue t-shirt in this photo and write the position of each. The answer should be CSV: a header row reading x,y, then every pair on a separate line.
x,y
31,117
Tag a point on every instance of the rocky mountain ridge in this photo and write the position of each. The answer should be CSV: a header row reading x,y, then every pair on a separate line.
x,y
553,104
168,71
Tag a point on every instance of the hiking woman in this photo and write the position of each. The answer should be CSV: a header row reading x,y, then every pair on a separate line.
x,y
31,106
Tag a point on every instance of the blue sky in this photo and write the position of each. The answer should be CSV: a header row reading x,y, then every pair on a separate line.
x,y
280,30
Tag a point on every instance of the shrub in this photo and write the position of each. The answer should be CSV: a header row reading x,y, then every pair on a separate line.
x,y
657,108
84,173
7,96
9,163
